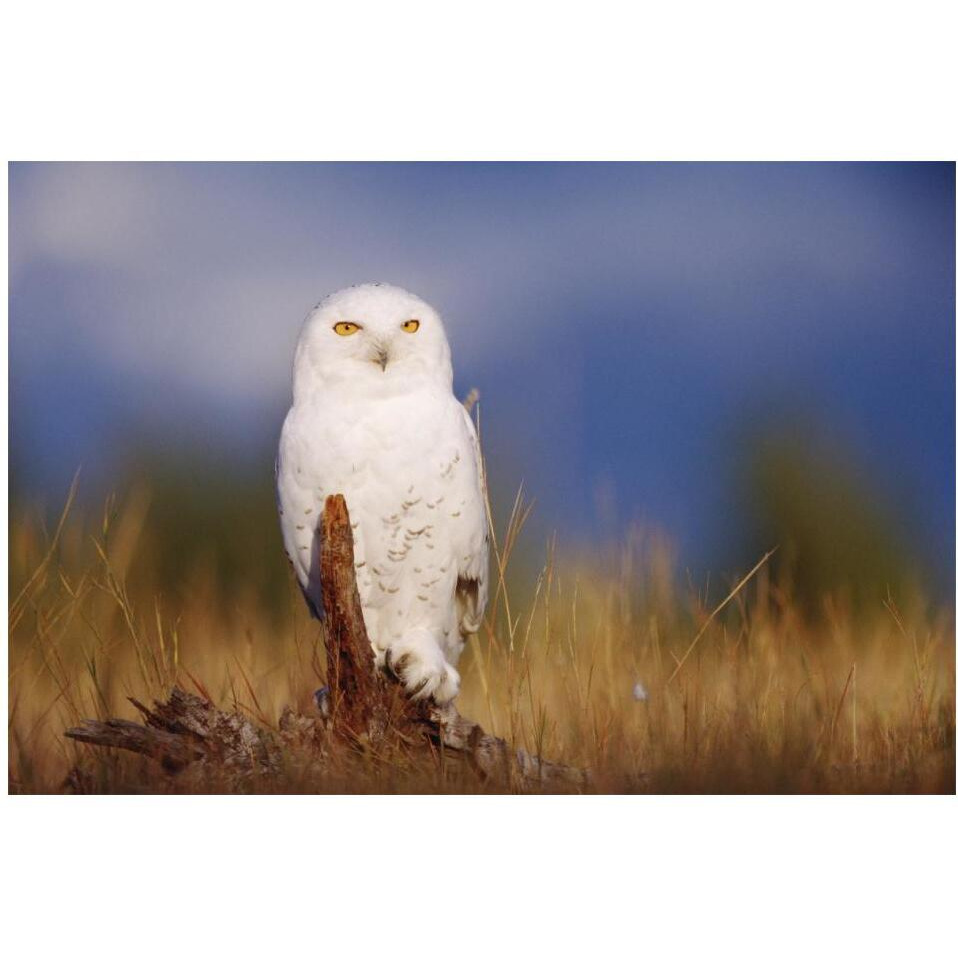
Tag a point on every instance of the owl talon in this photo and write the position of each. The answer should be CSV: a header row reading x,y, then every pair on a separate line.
x,y
394,671
418,690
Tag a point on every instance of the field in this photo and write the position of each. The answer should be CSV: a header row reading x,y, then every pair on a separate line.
x,y
614,662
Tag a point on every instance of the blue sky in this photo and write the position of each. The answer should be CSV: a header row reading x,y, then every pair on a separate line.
x,y
626,324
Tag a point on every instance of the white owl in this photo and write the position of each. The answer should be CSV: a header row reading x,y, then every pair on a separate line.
x,y
374,418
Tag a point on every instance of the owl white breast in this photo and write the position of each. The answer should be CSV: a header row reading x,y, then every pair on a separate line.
x,y
374,418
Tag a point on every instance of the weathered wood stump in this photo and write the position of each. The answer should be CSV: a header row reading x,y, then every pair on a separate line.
x,y
366,707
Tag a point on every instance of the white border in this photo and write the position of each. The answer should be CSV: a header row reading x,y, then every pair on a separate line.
x,y
504,80
107,80
483,875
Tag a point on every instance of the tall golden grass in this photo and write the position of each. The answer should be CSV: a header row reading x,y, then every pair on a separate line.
x,y
741,688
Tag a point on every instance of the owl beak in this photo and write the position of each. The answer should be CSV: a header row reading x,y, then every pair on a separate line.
x,y
381,357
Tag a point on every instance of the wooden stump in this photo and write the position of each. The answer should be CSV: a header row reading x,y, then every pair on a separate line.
x,y
362,701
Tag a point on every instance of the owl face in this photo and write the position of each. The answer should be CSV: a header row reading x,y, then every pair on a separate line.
x,y
374,334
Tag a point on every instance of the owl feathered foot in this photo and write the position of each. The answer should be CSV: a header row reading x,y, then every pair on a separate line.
x,y
417,662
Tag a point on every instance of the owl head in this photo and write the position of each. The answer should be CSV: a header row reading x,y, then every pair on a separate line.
x,y
375,335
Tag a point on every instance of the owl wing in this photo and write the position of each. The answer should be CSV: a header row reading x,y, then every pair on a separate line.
x,y
299,512
471,535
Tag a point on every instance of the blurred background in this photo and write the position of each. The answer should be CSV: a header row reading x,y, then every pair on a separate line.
x,y
741,355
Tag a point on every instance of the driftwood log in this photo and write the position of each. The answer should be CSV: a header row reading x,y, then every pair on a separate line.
x,y
364,707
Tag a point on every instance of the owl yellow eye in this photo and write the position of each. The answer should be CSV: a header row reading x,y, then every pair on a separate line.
x,y
410,326
346,329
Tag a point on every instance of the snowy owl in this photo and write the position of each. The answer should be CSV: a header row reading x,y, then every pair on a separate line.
x,y
374,418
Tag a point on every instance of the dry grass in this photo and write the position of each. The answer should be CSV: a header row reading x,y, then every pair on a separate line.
x,y
756,697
